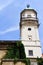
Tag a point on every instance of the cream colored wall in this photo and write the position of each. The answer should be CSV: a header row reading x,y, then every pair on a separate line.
x,y
36,52
34,43
7,63
20,63
25,33
2,53
12,63
31,43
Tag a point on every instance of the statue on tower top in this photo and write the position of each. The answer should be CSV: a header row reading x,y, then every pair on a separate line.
x,y
28,6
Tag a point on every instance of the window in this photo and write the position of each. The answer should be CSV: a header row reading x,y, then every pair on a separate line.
x,y
29,16
29,29
30,52
30,37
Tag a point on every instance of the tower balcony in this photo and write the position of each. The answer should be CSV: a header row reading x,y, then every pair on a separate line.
x,y
29,18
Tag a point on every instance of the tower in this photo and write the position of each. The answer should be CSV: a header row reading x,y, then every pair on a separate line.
x,y
29,33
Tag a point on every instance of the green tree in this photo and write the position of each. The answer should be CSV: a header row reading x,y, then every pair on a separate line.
x,y
22,51
17,51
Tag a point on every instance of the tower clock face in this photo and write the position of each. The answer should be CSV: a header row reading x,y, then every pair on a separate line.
x,y
33,15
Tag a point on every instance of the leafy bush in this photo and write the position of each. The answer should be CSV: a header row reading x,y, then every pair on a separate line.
x,y
15,52
21,51
40,61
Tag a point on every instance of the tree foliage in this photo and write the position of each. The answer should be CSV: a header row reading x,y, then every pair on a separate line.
x,y
40,61
16,52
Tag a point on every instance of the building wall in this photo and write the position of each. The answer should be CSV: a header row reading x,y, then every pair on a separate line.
x,y
26,13
25,33
33,43
36,52
13,63
2,53
8,63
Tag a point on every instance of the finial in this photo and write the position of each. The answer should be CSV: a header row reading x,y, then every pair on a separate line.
x,y
28,6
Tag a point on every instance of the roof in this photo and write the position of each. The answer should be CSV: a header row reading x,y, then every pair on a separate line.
x,y
28,10
8,41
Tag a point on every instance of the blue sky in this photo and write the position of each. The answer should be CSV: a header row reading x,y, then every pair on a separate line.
x,y
10,17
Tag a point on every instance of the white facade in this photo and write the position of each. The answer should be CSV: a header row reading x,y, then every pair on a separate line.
x,y
29,33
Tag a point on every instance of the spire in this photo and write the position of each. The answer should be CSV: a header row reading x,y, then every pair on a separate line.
x,y
28,6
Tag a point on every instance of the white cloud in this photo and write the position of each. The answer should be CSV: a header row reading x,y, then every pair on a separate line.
x,y
4,5
9,30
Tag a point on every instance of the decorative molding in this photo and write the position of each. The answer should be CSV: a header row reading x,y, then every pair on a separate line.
x,y
31,46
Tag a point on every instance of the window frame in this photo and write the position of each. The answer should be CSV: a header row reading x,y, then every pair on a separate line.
x,y
29,29
30,52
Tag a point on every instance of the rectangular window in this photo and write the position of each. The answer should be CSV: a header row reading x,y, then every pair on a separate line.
x,y
30,52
